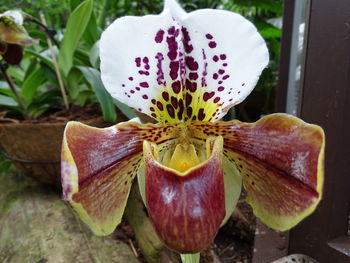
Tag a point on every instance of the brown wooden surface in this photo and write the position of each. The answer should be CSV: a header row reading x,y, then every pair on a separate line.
x,y
325,101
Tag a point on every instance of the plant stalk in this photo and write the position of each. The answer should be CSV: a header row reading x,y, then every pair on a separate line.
x,y
44,26
57,70
13,88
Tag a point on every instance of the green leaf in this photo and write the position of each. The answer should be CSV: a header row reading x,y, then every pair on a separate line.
x,y
95,55
76,26
72,83
7,101
43,58
73,4
16,72
93,76
190,258
274,6
92,33
31,84
267,30
126,110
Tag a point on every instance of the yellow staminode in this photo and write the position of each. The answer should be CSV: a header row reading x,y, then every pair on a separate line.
x,y
184,157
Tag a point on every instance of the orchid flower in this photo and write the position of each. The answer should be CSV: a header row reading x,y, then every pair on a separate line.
x,y
13,37
186,70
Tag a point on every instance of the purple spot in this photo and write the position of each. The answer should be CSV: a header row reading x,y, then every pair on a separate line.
x,y
174,69
212,44
145,60
172,46
208,36
160,74
165,95
145,96
220,82
239,92
207,95
171,30
230,100
193,76
131,78
160,105
138,62
221,71
123,85
176,86
222,56
151,109
216,99
144,84
147,67
141,72
224,65
243,84
132,91
201,114
159,36
225,77
186,40
188,99
215,58
174,102
137,88
215,76
154,115
221,88
153,101
191,63
170,110
191,86
181,109
189,111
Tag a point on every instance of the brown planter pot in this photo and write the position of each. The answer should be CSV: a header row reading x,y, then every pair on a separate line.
x,y
35,148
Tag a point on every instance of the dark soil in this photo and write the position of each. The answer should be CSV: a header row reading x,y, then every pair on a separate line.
x,y
233,244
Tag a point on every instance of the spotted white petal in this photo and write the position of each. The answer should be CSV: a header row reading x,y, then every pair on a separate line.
x,y
177,66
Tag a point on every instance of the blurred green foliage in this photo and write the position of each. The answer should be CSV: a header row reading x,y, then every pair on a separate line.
x,y
260,12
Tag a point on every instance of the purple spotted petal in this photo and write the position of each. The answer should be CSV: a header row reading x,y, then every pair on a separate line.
x,y
177,66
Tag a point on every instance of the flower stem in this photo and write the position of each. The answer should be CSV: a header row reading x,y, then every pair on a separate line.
x,y
12,86
49,31
57,70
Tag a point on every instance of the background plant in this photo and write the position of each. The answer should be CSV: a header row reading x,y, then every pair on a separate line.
x,y
82,50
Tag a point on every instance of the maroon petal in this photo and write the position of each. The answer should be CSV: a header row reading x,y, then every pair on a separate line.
x,y
186,208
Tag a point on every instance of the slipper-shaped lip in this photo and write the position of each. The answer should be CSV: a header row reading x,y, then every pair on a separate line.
x,y
186,210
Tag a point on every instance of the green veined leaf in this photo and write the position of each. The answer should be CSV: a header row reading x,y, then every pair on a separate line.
x,y
93,76
75,29
31,84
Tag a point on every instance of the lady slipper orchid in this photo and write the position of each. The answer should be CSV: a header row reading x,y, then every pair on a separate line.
x,y
186,70
13,37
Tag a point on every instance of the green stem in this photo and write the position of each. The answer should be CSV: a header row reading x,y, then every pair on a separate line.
x,y
13,88
57,70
